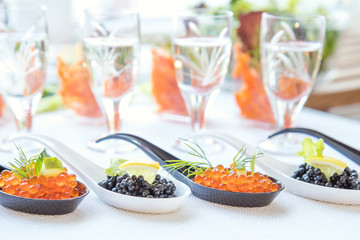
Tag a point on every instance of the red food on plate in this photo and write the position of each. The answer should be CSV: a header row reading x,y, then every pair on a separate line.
x,y
75,89
164,86
251,98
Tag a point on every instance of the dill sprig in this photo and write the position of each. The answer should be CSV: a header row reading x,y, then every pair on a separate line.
x,y
190,168
197,153
22,166
26,167
187,168
240,160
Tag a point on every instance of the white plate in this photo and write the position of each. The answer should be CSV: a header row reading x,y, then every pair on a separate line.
x,y
95,174
283,171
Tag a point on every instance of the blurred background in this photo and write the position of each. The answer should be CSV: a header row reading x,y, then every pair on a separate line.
x,y
338,85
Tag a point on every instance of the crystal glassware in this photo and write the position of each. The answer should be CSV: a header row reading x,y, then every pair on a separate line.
x,y
111,44
23,62
202,48
291,51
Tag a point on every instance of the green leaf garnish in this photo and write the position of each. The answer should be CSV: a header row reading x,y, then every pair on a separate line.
x,y
311,149
113,169
39,161
52,162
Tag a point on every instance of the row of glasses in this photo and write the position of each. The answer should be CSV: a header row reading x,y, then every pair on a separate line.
x,y
202,48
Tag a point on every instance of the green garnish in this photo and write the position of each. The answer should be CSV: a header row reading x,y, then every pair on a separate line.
x,y
190,168
51,167
241,161
197,153
311,149
113,169
39,161
52,162
24,167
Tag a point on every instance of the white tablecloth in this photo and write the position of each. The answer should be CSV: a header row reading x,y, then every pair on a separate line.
x,y
288,217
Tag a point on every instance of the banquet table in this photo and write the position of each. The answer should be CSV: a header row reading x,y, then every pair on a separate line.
x,y
287,217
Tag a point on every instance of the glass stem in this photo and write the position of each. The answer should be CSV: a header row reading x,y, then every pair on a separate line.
x,y
196,105
286,113
113,119
23,109
25,122
114,110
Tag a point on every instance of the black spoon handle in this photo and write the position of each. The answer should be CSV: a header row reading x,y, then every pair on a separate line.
x,y
346,150
153,151
2,168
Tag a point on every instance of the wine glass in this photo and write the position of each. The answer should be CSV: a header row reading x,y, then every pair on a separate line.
x,y
23,62
202,48
111,44
291,51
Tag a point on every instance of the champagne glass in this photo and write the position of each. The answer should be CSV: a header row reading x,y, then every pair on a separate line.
x,y
202,49
23,62
291,51
111,44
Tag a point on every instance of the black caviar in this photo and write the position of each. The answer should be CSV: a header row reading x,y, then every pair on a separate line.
x,y
348,179
138,186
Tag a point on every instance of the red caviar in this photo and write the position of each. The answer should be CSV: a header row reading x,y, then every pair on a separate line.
x,y
229,180
63,186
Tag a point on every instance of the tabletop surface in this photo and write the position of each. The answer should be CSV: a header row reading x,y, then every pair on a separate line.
x,y
288,217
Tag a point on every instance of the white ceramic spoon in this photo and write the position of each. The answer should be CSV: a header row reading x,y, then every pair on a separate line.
x,y
283,172
91,174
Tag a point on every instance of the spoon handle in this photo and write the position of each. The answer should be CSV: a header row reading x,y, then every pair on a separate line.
x,y
346,150
2,168
153,151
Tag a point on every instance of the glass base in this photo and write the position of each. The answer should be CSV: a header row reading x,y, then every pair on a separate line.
x,y
110,146
173,117
27,146
208,145
287,145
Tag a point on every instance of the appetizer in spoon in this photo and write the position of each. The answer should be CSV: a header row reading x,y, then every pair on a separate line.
x,y
324,170
235,178
29,181
284,170
137,178
41,177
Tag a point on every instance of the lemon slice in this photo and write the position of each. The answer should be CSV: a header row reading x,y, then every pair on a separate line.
x,y
146,168
327,165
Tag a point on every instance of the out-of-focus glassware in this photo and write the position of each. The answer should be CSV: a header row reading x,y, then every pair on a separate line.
x,y
23,61
291,51
202,49
1,106
111,44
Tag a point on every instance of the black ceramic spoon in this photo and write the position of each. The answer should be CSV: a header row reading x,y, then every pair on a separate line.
x,y
346,150
40,206
200,191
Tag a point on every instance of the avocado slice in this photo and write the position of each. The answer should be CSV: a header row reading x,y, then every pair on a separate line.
x,y
51,167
